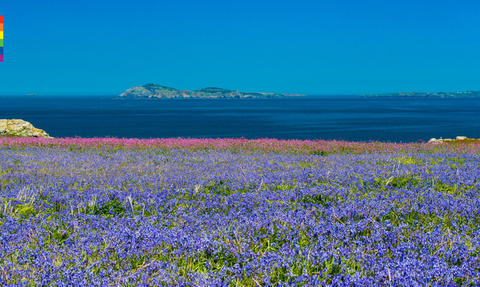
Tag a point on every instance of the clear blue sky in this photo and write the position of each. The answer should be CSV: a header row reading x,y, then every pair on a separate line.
x,y
313,47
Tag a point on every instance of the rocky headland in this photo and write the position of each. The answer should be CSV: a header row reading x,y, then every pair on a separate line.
x,y
20,128
421,95
154,91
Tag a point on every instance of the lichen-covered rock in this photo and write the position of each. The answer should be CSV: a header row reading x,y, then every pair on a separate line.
x,y
20,128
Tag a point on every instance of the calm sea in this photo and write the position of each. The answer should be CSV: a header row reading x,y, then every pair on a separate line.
x,y
314,117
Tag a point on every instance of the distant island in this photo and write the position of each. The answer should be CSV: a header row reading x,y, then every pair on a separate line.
x,y
154,91
413,95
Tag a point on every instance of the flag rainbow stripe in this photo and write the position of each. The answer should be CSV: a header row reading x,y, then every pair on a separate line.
x,y
1,38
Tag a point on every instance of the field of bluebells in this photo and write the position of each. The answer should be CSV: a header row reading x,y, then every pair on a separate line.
x,y
237,212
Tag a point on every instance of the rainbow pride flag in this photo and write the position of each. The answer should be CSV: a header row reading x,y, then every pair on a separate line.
x,y
1,38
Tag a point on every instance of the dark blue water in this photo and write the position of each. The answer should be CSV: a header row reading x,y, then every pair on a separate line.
x,y
347,118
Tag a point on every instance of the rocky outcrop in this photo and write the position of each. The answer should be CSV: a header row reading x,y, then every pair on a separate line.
x,y
20,128
458,139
